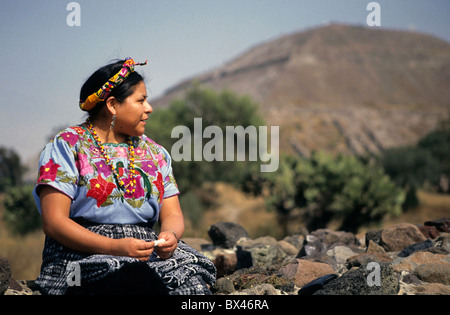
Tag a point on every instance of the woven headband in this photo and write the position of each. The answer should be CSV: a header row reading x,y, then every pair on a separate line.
x,y
105,90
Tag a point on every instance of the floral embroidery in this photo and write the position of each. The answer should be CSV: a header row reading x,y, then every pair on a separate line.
x,y
139,152
122,152
103,168
83,165
48,171
70,138
100,189
149,167
160,186
79,130
161,160
139,192
95,152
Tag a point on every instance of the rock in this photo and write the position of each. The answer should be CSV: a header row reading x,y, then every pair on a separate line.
x,y
429,231
324,258
262,289
266,255
22,287
365,258
356,282
244,258
302,271
258,242
225,262
226,234
296,240
329,237
432,289
311,245
400,236
415,248
262,251
341,253
374,236
287,247
223,286
444,243
442,225
5,275
434,273
418,258
251,277
374,248
316,285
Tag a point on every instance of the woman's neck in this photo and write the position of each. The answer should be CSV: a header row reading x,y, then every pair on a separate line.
x,y
105,134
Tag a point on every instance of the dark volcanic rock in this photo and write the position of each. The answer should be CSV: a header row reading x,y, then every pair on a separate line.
x,y
226,234
366,280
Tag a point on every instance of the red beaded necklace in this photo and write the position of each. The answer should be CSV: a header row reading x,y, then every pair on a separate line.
x,y
131,169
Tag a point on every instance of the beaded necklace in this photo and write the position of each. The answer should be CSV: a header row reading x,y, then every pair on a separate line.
x,y
131,169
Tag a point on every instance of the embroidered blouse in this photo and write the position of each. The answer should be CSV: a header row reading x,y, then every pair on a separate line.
x,y
73,164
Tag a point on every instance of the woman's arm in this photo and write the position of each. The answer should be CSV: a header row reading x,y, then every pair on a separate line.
x,y
55,209
172,226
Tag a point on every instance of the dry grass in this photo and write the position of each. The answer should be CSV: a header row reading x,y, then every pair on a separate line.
x,y
432,206
24,253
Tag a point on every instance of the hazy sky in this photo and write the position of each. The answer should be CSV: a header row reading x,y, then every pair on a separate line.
x,y
45,61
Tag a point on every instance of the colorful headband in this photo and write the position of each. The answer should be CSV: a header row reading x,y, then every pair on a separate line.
x,y
105,90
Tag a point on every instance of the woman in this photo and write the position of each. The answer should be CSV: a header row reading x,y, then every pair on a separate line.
x,y
102,186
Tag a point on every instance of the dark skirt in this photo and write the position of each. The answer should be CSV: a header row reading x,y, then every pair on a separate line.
x,y
65,271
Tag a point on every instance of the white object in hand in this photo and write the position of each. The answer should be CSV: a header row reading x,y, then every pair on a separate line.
x,y
159,242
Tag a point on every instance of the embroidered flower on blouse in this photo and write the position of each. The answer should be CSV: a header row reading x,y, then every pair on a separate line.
x,y
139,152
149,167
79,130
159,184
48,171
161,160
138,193
83,165
121,152
103,168
71,138
100,189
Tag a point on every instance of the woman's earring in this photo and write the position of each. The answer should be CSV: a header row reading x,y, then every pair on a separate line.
x,y
113,122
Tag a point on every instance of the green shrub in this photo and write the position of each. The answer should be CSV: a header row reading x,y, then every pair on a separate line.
x,y
21,214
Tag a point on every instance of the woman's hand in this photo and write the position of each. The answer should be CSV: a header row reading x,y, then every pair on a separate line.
x,y
133,248
165,249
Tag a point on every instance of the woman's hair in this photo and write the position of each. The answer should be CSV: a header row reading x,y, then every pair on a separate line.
x,y
100,77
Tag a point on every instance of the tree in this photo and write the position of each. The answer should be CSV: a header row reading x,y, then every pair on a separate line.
x,y
21,214
219,109
11,169
438,144
326,187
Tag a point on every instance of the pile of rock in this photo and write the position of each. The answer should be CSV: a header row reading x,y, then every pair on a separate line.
x,y
402,259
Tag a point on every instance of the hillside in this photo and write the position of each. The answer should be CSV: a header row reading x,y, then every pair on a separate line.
x,y
341,88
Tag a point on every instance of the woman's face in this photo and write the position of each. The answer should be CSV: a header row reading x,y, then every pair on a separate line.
x,y
132,114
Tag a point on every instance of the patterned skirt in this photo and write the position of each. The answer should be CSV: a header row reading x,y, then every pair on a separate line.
x,y
65,271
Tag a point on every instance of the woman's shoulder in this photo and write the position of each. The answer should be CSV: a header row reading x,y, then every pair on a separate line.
x,y
152,144
69,135
158,150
